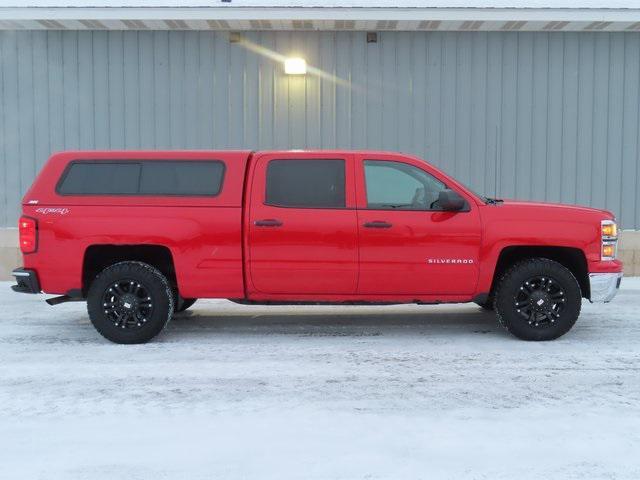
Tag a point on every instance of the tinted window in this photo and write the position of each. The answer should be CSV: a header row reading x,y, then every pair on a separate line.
x,y
396,185
181,178
306,183
143,178
101,179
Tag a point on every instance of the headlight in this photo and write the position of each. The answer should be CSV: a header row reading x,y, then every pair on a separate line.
x,y
609,239
609,229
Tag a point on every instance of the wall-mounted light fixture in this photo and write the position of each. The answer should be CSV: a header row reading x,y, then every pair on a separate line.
x,y
295,66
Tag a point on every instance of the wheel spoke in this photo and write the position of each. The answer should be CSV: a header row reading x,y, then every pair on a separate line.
x,y
540,301
127,304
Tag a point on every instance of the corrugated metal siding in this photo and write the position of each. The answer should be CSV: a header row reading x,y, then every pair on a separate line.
x,y
548,116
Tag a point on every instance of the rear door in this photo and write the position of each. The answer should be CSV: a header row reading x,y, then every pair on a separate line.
x,y
302,229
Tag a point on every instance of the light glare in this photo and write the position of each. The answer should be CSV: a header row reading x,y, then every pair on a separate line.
x,y
295,66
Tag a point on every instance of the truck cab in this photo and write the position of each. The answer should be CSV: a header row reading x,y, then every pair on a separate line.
x,y
141,234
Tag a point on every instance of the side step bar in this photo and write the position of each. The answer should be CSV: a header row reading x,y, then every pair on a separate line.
x,y
63,299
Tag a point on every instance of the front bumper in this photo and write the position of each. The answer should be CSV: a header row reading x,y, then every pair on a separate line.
x,y
27,281
604,286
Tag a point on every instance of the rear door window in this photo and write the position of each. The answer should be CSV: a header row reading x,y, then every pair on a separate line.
x,y
144,177
317,183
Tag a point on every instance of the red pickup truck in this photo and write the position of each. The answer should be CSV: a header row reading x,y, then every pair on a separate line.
x,y
140,235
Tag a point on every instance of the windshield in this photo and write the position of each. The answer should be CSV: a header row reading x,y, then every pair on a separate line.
x,y
484,198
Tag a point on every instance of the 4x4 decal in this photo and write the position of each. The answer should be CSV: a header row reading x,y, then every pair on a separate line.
x,y
53,211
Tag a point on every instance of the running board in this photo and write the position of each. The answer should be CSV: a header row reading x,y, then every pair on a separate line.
x,y
62,299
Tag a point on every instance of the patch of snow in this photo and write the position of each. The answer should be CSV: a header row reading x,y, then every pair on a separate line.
x,y
391,392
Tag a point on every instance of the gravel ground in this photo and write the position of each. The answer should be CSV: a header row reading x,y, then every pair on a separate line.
x,y
390,392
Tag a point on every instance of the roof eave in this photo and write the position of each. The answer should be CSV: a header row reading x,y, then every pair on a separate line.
x,y
323,18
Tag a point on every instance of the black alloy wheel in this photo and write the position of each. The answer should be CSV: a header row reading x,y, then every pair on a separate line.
x,y
540,301
128,303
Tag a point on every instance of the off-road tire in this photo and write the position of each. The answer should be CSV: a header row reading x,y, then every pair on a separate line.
x,y
159,292
517,321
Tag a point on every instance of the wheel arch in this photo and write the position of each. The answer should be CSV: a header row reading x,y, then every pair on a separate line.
x,y
572,258
98,257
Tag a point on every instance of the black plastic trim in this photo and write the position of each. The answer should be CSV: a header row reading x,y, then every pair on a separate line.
x,y
480,298
27,281
75,293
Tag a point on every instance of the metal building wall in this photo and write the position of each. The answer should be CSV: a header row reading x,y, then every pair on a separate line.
x,y
549,116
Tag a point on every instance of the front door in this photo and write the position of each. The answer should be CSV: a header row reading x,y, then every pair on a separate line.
x,y
303,233
408,246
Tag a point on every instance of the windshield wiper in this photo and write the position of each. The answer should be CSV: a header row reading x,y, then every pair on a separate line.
x,y
493,201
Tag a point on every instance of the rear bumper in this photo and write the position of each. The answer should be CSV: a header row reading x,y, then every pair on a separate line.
x,y
604,286
27,281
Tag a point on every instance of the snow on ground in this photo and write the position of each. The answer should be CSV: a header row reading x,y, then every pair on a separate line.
x,y
390,392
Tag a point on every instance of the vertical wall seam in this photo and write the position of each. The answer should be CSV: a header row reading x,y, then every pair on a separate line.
x,y
5,161
562,111
93,88
108,80
17,120
498,168
622,125
577,120
33,164
546,124
593,115
606,170
48,91
636,218
138,90
517,113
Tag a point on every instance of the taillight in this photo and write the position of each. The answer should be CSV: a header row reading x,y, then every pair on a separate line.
x,y
28,228
609,236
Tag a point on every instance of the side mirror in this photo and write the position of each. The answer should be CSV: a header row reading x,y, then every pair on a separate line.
x,y
450,201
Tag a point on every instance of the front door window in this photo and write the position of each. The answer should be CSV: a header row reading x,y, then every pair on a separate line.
x,y
400,186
